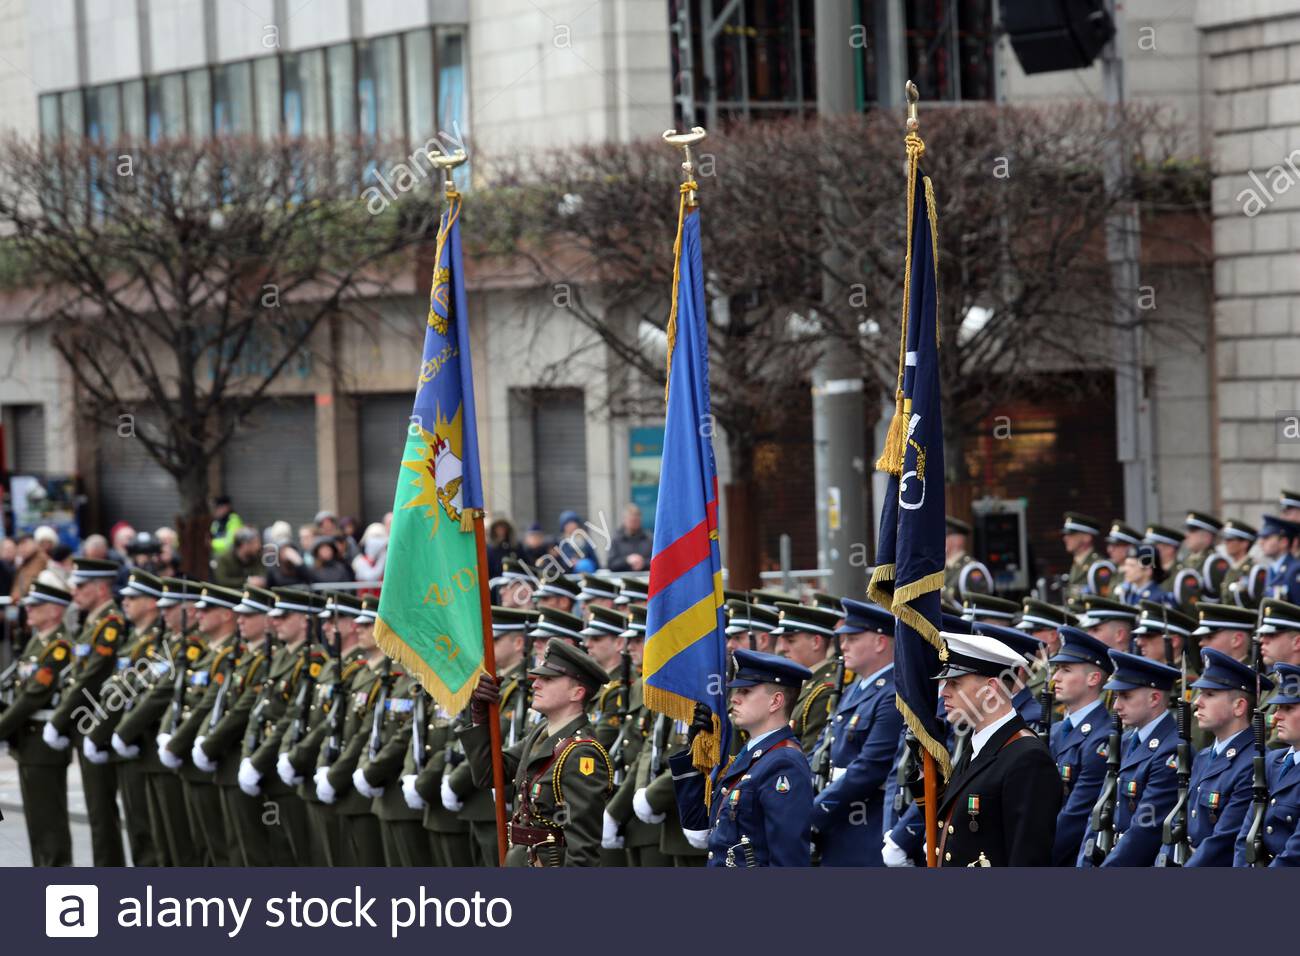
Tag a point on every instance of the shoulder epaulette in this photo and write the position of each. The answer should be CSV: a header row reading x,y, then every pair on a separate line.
x,y
216,662
586,765
807,704
350,668
108,634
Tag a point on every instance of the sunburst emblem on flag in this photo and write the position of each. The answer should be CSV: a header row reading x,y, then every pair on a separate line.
x,y
437,468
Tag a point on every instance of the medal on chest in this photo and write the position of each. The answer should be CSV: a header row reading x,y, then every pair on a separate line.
x,y
973,811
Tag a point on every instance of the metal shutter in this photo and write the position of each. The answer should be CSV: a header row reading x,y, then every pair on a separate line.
x,y
269,466
560,454
382,421
132,486
29,440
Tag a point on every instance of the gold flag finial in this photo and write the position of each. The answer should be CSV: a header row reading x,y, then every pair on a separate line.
x,y
448,162
684,142
913,96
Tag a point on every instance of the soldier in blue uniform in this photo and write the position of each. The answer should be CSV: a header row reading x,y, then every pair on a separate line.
x,y
1275,539
1142,576
1281,822
1032,651
1147,779
1078,740
864,732
761,804
1219,792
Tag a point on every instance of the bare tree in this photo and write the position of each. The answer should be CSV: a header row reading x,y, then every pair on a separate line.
x,y
1024,284
185,278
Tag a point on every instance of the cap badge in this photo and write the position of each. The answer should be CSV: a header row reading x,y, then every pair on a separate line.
x,y
1231,752
1086,728
1153,743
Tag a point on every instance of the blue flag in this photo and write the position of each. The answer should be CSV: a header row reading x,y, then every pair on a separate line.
x,y
910,556
686,649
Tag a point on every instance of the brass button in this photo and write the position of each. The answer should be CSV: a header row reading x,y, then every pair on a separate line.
x,y
710,854
1268,829
947,857
950,828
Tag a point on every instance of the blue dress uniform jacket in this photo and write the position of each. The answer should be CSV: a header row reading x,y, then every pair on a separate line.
x,y
1028,707
1218,796
763,797
1281,816
999,809
1148,789
1283,579
848,814
1152,592
1080,755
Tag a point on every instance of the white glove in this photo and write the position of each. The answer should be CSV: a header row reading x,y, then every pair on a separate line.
x,y
363,786
249,777
91,752
53,738
449,799
169,759
324,792
610,838
893,854
413,799
125,750
643,811
284,767
697,838
201,758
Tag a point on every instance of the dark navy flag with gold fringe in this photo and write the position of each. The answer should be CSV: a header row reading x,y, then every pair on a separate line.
x,y
909,573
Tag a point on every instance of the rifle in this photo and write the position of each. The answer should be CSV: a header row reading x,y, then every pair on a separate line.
x,y
257,716
1256,852
338,700
625,713
821,757
1175,827
1103,839
658,741
1046,699
306,688
418,751
902,791
381,704
182,666
227,670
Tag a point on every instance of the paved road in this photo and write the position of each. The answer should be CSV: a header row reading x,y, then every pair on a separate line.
x,y
13,829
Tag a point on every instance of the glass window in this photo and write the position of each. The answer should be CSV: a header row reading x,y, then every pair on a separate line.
x,y
422,119
166,105
104,112
453,111
48,106
304,94
74,121
266,89
133,110
343,90
379,88
232,99
198,96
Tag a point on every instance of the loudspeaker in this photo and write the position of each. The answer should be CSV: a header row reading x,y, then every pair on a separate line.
x,y
1049,35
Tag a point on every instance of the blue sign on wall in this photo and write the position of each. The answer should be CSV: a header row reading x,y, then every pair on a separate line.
x,y
645,456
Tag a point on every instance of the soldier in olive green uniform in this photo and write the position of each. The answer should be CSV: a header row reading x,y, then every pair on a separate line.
x,y
610,711
1041,620
360,841
297,760
561,774
1200,532
274,713
135,738
95,651
42,770
456,790
431,739
180,728
654,798
961,572
218,748
144,827
1237,540
379,772
1079,533
805,636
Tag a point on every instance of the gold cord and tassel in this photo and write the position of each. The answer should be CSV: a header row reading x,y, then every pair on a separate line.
x,y
688,189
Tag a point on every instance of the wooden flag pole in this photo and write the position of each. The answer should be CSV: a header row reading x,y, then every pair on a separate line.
x,y
931,771
490,665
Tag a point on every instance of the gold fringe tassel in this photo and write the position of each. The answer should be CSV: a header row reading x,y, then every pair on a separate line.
x,y
706,750
467,516
392,644
891,456
687,189
884,574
